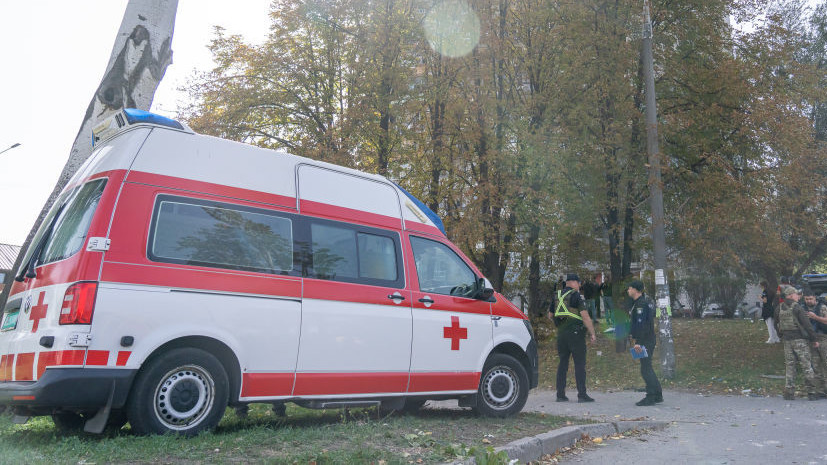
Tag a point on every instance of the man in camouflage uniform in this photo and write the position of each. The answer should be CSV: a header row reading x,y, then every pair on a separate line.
x,y
796,332
817,312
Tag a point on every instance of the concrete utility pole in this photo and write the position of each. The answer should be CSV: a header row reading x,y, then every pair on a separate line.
x,y
138,61
667,352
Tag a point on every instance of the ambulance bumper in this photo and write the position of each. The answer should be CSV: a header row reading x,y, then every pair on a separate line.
x,y
70,388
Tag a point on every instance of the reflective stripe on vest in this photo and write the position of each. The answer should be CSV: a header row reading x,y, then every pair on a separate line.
x,y
565,311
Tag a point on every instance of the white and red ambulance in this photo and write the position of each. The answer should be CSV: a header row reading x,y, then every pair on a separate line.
x,y
178,274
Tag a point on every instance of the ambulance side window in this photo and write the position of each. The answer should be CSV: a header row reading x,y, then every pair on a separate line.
x,y
440,270
344,252
206,233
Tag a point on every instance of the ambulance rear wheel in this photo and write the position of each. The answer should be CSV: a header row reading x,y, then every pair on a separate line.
x,y
503,387
183,391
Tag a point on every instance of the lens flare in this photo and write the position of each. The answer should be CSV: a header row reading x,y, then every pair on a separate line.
x,y
452,28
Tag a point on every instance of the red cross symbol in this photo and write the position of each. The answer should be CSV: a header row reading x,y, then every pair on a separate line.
x,y
38,311
454,332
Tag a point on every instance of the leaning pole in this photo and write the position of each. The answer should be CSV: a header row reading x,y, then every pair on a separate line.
x,y
667,351
139,58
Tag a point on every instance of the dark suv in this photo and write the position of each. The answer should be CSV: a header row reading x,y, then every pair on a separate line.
x,y
816,282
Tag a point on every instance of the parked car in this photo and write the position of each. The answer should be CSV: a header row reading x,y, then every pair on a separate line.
x,y
817,282
713,310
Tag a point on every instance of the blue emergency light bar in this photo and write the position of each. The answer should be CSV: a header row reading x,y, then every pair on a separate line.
x,y
135,116
127,117
427,211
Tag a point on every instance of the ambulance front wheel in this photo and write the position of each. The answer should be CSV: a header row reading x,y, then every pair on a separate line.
x,y
183,391
503,387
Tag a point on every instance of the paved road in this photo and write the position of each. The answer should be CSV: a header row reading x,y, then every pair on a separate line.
x,y
706,429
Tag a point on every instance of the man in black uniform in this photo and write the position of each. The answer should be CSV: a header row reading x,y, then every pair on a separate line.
x,y
573,322
642,330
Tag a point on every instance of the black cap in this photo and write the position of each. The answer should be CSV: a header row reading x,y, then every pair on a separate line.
x,y
637,284
572,277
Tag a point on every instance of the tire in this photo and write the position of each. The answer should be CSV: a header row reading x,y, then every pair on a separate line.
x,y
503,387
183,391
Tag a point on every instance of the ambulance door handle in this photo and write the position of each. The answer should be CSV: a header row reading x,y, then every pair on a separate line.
x,y
426,300
496,318
396,297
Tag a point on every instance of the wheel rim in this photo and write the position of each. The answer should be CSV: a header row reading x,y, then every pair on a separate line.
x,y
184,397
500,388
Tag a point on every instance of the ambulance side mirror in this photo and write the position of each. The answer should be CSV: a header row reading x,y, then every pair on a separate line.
x,y
484,289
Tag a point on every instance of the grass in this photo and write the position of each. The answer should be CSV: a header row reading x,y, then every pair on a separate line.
x,y
721,356
304,436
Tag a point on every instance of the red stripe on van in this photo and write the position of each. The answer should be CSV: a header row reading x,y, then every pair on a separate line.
x,y
357,216
266,384
187,277
59,358
458,381
220,190
123,357
309,384
24,369
97,357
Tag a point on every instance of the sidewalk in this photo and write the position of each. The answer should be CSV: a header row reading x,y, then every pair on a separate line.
x,y
690,428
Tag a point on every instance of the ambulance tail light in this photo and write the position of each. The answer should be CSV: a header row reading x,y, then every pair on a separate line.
x,y
79,304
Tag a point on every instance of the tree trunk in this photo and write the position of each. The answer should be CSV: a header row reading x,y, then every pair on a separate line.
x,y
138,61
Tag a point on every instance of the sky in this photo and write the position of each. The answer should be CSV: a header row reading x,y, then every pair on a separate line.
x,y
54,54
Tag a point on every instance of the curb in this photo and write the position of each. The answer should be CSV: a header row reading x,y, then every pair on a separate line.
x,y
534,447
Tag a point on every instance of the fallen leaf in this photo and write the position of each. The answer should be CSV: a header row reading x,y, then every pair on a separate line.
x,y
597,440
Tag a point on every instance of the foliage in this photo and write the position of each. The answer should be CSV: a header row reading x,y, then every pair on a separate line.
x,y
531,146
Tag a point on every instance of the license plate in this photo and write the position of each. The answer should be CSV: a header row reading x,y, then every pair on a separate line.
x,y
9,321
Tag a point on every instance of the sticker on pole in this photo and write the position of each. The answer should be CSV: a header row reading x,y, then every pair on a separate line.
x,y
659,278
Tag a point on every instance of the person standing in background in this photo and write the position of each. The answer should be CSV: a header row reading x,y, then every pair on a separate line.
x,y
642,330
573,322
767,313
797,333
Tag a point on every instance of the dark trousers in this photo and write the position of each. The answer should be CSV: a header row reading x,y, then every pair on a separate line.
x,y
648,373
571,344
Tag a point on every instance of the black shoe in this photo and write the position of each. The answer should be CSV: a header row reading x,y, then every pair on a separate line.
x,y
562,399
583,399
646,401
658,399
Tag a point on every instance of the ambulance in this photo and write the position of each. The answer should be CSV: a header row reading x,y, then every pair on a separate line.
x,y
178,274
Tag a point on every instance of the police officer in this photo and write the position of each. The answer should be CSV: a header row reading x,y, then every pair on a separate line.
x,y
796,332
817,312
642,331
573,322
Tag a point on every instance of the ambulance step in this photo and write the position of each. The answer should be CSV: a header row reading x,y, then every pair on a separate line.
x,y
320,404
